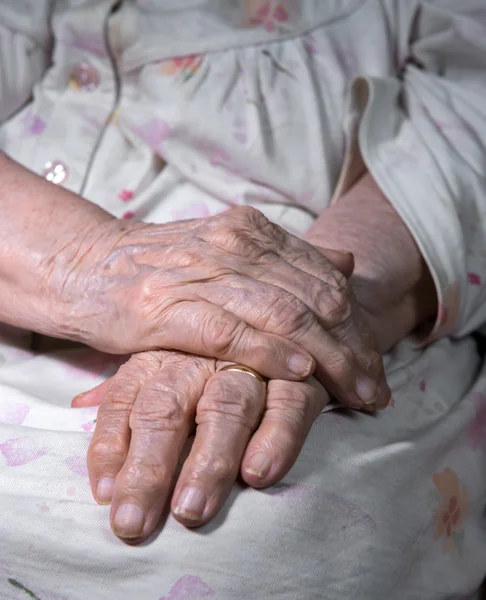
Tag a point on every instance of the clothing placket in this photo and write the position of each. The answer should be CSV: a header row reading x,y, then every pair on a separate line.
x,y
116,6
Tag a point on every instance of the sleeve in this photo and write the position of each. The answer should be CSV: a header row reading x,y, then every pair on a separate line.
x,y
24,50
422,135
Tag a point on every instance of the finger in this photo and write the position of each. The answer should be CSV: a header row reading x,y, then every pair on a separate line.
x,y
202,328
350,368
351,330
273,308
291,409
111,438
227,413
92,397
341,259
284,260
161,418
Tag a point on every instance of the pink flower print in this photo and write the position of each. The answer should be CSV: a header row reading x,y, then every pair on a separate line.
x,y
451,511
128,215
239,130
195,210
185,66
89,425
14,414
218,158
310,44
21,451
270,14
189,587
477,429
474,279
422,385
126,195
33,124
86,41
77,465
154,132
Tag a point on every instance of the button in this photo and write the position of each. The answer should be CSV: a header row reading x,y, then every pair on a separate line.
x,y
84,77
55,171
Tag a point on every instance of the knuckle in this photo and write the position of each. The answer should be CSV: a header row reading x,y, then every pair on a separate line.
x,y
224,400
342,366
144,478
285,314
217,467
158,409
107,449
151,298
221,334
336,305
248,215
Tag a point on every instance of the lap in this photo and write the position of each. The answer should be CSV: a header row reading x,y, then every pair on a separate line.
x,y
385,506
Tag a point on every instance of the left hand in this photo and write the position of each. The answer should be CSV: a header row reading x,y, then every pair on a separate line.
x,y
151,406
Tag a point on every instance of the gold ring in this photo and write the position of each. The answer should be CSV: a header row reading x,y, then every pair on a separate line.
x,y
245,369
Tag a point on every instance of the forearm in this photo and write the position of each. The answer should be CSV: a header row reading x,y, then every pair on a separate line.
x,y
42,228
391,280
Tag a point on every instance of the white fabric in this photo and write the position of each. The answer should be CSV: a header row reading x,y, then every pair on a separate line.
x,y
262,105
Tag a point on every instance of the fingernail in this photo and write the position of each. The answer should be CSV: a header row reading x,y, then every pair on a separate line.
x,y
366,389
384,397
300,365
191,503
129,521
342,251
259,465
104,490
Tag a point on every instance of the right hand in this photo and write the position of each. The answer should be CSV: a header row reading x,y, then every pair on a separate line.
x,y
235,287
151,405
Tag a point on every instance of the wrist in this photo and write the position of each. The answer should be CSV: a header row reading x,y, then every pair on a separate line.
x,y
41,235
391,281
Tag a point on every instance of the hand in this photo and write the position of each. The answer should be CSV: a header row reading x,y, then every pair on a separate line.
x,y
391,281
154,402
235,287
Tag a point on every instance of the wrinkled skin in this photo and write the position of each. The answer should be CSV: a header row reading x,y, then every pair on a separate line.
x,y
151,406
235,287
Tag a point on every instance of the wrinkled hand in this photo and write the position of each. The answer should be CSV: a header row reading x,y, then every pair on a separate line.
x,y
154,402
235,287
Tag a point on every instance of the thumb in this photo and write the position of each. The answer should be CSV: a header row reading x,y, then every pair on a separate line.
x,y
92,397
341,259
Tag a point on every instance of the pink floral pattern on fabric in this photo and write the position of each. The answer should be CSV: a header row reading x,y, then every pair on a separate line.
x,y
86,41
21,451
126,195
451,511
474,279
267,13
183,66
14,414
77,465
33,124
154,132
477,430
189,587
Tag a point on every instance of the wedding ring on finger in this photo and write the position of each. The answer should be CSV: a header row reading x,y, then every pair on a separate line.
x,y
245,369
